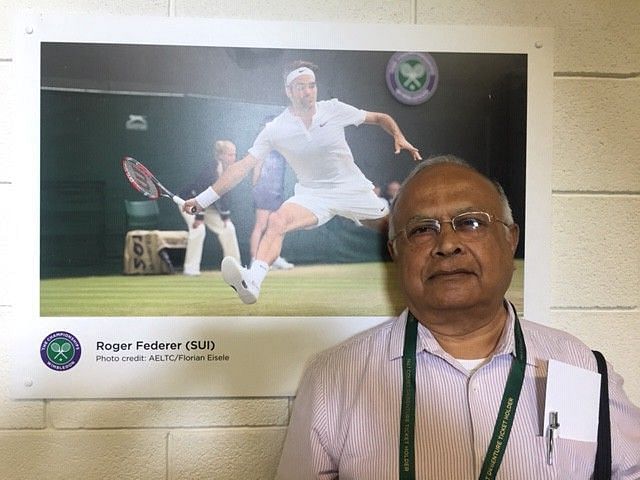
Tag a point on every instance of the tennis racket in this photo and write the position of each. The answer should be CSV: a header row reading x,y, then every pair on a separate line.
x,y
145,182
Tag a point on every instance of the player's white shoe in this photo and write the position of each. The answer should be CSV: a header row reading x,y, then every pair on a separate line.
x,y
281,264
237,277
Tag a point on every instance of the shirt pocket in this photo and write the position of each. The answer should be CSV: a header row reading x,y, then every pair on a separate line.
x,y
576,459
572,459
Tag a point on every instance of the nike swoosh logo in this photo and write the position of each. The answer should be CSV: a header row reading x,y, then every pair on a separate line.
x,y
323,124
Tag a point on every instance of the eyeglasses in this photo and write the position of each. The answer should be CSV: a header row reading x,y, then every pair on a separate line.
x,y
468,225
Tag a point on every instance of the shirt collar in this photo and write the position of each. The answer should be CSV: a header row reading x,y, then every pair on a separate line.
x,y
396,339
507,342
427,342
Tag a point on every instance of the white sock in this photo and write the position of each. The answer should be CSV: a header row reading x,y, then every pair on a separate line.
x,y
258,271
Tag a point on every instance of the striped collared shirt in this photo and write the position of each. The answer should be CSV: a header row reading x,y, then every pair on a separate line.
x,y
346,415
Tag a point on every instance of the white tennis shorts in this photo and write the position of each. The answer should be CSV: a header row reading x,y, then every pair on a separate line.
x,y
356,205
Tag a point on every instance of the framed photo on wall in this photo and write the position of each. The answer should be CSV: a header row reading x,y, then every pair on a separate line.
x,y
107,296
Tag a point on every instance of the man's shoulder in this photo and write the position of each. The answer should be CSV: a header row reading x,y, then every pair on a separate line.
x,y
278,119
546,342
345,114
356,349
544,333
332,103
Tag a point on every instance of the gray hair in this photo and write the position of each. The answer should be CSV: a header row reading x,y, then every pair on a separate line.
x,y
450,160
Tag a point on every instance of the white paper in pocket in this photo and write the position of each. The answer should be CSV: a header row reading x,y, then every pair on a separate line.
x,y
574,393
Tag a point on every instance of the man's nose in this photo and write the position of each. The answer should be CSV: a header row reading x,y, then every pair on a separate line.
x,y
447,241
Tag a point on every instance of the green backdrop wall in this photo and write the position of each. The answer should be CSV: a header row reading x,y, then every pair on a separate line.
x,y
191,97
83,218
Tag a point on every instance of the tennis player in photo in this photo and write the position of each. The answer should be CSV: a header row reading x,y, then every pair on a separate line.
x,y
310,134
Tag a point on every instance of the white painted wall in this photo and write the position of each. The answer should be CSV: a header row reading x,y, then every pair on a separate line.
x,y
596,252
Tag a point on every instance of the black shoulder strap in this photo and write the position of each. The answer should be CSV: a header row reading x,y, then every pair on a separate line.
x,y
602,470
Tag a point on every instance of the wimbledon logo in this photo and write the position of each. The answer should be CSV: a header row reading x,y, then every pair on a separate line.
x,y
60,351
412,77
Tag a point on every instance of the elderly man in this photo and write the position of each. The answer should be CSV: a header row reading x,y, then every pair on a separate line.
x,y
310,135
454,387
216,217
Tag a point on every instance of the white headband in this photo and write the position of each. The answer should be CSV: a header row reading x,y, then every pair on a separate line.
x,y
297,72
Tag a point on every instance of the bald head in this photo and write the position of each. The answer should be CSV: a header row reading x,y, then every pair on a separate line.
x,y
457,163
224,152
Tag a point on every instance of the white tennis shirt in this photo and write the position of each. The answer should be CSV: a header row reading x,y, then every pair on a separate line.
x,y
319,155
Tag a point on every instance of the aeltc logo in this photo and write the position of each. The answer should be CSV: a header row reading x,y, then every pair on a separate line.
x,y
412,77
60,351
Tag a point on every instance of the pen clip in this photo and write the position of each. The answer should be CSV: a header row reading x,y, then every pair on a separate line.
x,y
553,427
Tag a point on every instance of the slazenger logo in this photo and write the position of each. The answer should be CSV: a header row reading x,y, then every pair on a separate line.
x,y
412,77
60,351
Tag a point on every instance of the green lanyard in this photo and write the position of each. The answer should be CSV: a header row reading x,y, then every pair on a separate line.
x,y
504,422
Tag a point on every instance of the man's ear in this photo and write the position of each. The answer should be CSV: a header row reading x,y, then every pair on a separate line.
x,y
391,248
514,237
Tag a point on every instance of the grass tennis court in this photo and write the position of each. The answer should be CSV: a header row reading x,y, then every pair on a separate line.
x,y
360,289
